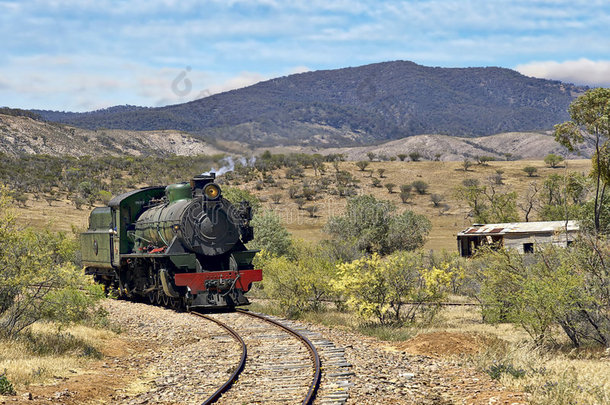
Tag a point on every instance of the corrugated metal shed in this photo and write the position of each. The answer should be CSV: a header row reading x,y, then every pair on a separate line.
x,y
520,228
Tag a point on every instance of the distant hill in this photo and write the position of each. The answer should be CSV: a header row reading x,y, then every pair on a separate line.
x,y
355,106
21,134
511,145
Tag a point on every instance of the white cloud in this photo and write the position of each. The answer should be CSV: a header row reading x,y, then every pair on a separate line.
x,y
582,71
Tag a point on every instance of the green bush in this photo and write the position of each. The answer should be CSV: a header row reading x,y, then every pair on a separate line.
x,y
300,280
269,234
40,279
371,226
6,388
554,287
495,371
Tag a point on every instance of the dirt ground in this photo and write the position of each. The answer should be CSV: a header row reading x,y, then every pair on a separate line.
x,y
431,357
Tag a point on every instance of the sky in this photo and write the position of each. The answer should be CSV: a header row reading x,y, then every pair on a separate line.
x,y
84,55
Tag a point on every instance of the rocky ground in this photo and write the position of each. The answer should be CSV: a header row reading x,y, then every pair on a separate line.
x,y
170,358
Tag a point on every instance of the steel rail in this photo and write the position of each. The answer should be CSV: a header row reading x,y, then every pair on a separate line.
x,y
313,387
242,362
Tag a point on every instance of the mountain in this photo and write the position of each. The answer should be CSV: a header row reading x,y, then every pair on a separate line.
x,y
21,134
355,106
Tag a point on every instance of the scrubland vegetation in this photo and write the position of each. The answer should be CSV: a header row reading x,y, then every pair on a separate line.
x,y
365,263
43,295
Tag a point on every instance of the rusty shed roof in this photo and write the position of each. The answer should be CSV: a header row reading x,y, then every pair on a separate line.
x,y
520,227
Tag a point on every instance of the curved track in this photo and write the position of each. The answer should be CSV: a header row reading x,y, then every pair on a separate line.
x,y
274,371
242,362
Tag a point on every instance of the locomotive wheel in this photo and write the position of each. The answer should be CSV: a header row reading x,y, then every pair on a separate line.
x,y
159,297
152,296
175,303
165,300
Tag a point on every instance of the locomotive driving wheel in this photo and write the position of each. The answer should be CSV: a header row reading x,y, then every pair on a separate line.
x,y
153,296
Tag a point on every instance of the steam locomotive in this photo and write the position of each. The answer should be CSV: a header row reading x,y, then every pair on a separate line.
x,y
182,246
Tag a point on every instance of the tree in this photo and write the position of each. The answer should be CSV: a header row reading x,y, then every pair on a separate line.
x,y
488,204
420,186
312,210
590,113
466,164
436,199
362,165
402,157
530,170
390,187
381,171
276,198
553,160
415,156
530,200
368,224
270,234
408,231
371,156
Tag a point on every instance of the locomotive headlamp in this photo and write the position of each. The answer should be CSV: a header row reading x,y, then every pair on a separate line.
x,y
211,191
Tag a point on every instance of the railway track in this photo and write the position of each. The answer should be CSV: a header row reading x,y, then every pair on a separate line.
x,y
277,365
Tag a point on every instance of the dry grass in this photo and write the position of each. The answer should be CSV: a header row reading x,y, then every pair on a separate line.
x,y
442,178
46,353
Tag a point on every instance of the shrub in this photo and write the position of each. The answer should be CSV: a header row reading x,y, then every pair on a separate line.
x,y
552,287
530,170
420,186
378,288
312,210
236,195
362,165
48,261
371,226
270,234
390,187
415,156
300,280
553,160
436,199
6,388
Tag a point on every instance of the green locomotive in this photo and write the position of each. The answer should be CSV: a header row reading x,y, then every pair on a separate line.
x,y
181,246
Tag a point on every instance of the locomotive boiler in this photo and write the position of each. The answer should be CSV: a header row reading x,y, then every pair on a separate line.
x,y
181,246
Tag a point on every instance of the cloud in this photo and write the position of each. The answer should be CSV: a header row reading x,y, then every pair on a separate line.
x,y
132,52
582,71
